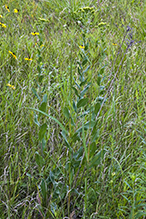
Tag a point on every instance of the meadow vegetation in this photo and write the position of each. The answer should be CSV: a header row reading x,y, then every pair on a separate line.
x,y
72,109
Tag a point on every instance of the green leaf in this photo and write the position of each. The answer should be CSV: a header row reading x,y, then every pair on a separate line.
x,y
59,123
74,106
95,133
98,80
89,124
97,159
36,120
66,141
42,131
86,69
78,155
66,112
76,91
39,159
40,78
93,148
75,137
82,102
97,107
84,61
43,107
84,82
35,93
45,98
84,90
43,189
52,177
39,69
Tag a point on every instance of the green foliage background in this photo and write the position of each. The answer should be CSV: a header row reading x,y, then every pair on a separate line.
x,y
73,127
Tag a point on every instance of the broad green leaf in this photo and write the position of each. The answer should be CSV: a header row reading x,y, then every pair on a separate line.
x,y
43,107
42,131
45,98
39,159
82,102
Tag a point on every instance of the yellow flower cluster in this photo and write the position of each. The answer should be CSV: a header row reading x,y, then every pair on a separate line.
x,y
13,54
82,47
3,25
7,8
34,33
16,10
28,59
11,86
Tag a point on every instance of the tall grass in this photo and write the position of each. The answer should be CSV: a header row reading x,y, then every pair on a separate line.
x,y
72,109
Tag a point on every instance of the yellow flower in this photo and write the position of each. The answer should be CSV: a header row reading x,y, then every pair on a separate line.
x,y
13,54
34,33
12,86
7,8
82,47
3,25
28,59
0,15
114,44
42,45
16,10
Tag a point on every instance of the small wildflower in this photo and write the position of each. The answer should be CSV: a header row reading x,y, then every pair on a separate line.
x,y
0,16
12,86
42,45
114,44
113,174
13,54
7,8
34,33
16,10
82,47
3,25
28,59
